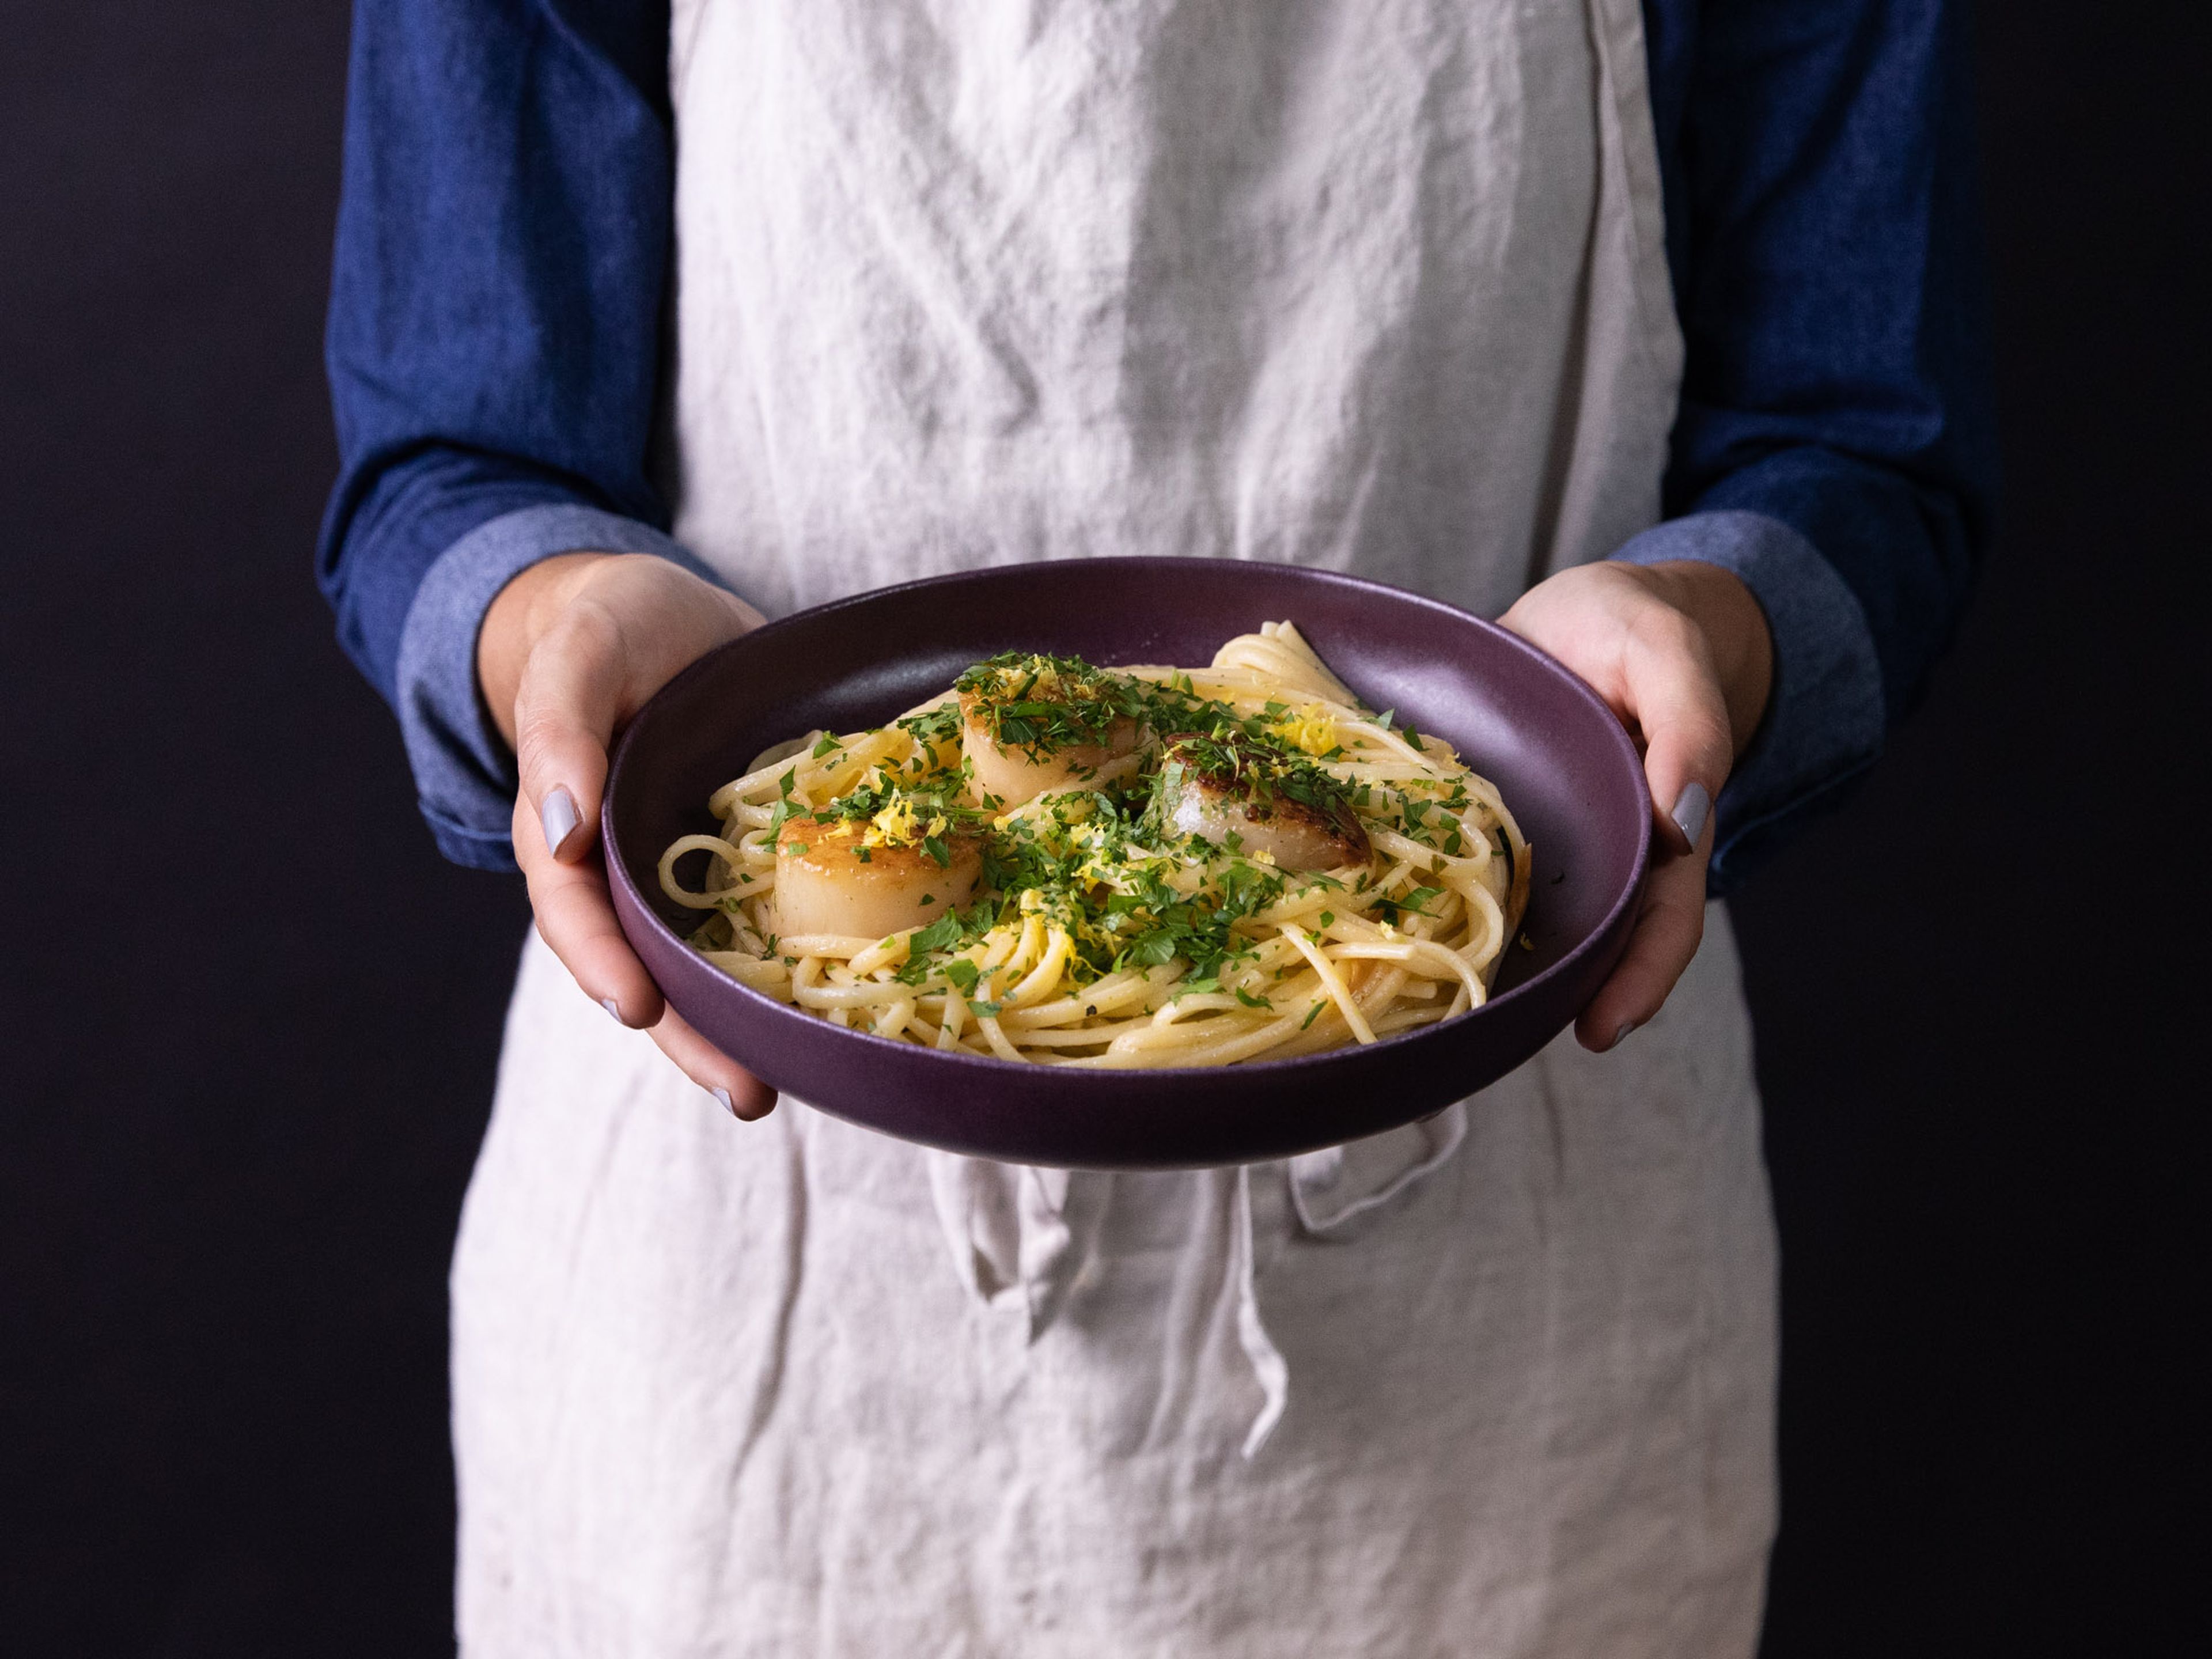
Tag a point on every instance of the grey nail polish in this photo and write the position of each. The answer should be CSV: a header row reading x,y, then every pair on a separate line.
x,y
612,1008
1691,807
1621,1036
560,818
723,1095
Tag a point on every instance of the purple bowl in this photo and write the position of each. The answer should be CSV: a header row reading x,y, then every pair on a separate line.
x,y
1567,769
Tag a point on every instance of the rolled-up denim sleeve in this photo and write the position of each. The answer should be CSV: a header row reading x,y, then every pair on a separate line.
x,y
464,775
1835,444
493,345
1824,721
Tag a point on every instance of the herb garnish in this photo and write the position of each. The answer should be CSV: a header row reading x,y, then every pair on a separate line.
x,y
1041,704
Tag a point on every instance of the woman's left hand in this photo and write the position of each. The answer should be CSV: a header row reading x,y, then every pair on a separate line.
x,y
1681,652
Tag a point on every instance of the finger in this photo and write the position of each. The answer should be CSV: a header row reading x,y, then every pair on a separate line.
x,y
564,713
742,1094
1675,697
1667,930
577,919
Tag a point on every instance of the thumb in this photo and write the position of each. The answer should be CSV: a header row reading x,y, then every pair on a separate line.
x,y
1674,696
564,716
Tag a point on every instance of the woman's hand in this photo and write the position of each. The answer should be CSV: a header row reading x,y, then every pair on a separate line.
x,y
1681,652
570,651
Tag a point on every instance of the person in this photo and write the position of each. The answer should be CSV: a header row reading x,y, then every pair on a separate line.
x,y
1654,327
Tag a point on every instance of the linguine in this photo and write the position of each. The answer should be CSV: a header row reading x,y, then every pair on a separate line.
x,y
1118,867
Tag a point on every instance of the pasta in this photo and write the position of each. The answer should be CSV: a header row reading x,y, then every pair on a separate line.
x,y
1142,866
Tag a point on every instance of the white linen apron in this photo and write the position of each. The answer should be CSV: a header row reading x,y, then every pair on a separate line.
x,y
1371,284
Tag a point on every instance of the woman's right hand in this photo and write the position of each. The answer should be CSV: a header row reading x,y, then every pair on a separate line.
x,y
569,652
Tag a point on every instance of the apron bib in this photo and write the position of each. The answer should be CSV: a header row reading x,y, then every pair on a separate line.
x,y
1376,285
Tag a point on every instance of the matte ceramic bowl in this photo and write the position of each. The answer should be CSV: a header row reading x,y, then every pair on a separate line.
x,y
1567,769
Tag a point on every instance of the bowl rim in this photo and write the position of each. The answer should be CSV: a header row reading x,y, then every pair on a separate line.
x,y
1624,747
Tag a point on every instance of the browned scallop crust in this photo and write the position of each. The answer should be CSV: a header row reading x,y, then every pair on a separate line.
x,y
817,844
829,882
1223,791
1120,738
1206,771
1013,775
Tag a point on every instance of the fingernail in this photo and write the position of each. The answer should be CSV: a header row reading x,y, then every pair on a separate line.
x,y
723,1095
1690,810
560,818
612,1008
1621,1036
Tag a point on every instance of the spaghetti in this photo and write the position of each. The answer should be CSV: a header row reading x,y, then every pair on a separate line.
x,y
1140,867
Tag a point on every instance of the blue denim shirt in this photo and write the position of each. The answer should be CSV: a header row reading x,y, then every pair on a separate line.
x,y
502,252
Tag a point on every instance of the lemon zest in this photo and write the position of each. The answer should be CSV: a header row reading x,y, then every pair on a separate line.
x,y
1312,729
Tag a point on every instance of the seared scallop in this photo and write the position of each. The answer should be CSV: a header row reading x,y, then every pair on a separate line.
x,y
829,880
1011,775
1297,815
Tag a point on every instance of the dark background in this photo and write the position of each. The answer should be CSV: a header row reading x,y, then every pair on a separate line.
x,y
248,1020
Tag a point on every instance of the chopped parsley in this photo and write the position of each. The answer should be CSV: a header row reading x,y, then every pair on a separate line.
x,y
1107,865
1041,704
940,935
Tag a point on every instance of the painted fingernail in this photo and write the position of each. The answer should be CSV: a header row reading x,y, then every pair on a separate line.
x,y
613,1008
560,818
723,1095
1621,1036
1691,807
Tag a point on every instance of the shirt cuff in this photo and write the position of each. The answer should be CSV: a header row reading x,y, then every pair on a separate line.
x,y
464,775
1824,723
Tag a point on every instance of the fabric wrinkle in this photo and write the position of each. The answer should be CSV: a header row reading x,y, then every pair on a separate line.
x,y
1269,1369
1020,1236
768,1391
1336,1186
955,286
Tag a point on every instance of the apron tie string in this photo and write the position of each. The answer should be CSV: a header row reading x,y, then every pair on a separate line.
x,y
1269,1369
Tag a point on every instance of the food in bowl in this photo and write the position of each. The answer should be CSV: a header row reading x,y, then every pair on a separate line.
x,y
1115,867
